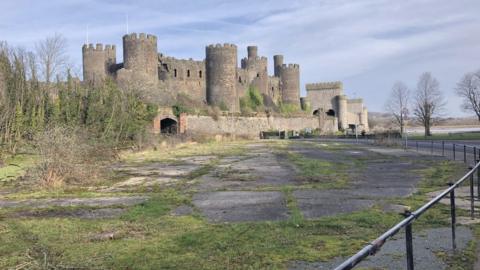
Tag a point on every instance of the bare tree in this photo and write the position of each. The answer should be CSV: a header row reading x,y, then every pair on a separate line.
x,y
429,102
52,55
469,90
397,104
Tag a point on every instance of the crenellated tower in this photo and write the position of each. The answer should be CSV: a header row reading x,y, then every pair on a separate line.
x,y
98,62
290,83
140,54
221,74
256,70
277,64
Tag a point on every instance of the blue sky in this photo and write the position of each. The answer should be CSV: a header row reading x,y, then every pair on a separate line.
x,y
367,44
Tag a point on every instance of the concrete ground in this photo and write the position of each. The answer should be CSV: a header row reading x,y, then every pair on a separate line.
x,y
255,187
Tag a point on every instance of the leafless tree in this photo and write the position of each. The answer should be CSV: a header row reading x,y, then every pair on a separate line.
x,y
429,101
52,55
469,90
397,104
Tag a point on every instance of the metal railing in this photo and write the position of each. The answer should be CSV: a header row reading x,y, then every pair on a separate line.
x,y
410,217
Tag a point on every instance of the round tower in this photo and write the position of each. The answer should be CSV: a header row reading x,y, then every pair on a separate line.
x,y
140,54
277,64
290,84
221,74
97,62
252,51
342,112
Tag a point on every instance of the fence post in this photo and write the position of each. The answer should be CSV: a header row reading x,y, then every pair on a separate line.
x,y
478,181
409,246
454,151
472,204
431,148
416,144
474,154
443,148
453,216
464,153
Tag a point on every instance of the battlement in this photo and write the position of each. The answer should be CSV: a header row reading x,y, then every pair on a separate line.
x,y
290,66
98,47
324,86
220,46
141,36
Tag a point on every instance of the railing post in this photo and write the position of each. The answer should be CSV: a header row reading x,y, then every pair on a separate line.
x,y
464,153
443,148
472,203
454,151
478,181
416,144
453,216
431,148
409,246
474,154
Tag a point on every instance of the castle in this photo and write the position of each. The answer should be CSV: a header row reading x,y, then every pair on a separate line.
x,y
219,81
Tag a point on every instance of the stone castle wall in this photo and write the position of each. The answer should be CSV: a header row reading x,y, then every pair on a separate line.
x,y
217,80
247,126
183,77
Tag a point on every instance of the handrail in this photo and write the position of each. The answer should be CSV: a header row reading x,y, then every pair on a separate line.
x,y
376,244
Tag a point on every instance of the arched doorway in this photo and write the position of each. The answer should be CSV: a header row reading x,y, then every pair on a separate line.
x,y
168,126
330,112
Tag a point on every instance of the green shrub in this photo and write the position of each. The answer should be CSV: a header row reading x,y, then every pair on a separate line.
x,y
252,101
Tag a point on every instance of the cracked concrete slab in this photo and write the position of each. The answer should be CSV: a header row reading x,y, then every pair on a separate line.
x,y
237,206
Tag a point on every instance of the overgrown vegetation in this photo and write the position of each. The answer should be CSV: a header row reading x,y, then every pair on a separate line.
x,y
31,111
252,101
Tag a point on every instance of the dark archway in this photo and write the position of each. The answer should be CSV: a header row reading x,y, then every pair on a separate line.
x,y
330,112
316,112
168,126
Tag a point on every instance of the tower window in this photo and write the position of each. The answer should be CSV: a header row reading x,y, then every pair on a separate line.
x,y
175,73
258,75
200,74
188,73
240,79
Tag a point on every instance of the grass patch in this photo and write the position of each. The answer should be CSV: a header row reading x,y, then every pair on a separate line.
x,y
16,166
449,136
159,241
324,173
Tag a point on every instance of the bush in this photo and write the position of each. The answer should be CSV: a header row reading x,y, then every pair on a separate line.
x,y
252,101
66,156
288,109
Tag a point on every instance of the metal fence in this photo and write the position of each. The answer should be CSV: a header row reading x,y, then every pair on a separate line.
x,y
453,150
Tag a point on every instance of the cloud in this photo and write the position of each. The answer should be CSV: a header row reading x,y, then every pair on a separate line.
x,y
368,44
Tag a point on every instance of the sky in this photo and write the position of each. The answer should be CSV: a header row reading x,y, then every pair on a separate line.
x,y
366,44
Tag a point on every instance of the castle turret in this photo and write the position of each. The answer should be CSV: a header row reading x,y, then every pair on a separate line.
x,y
277,64
252,51
140,54
342,112
256,70
98,62
290,84
221,74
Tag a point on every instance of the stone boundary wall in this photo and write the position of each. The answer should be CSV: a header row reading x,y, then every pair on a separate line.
x,y
246,126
